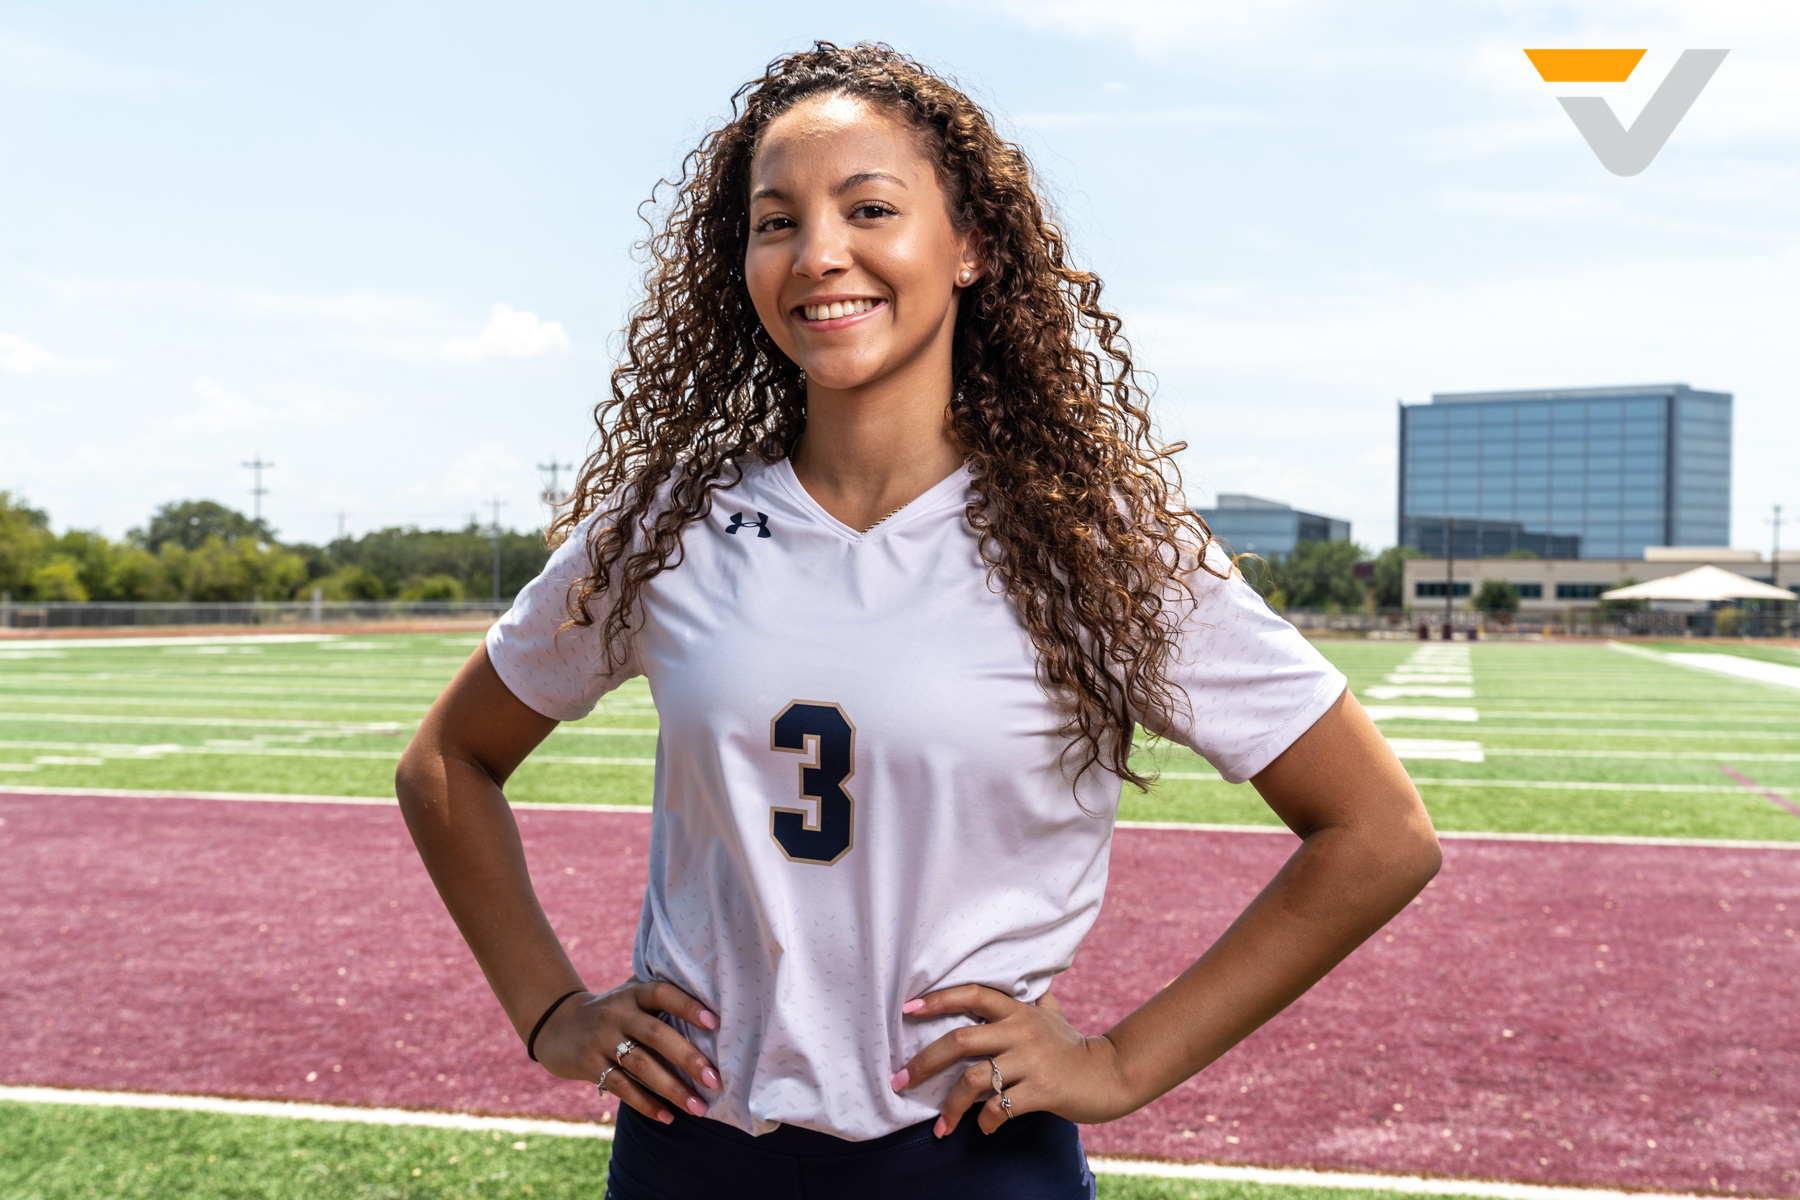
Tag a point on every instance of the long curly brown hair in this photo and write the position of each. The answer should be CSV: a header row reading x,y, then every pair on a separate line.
x,y
1076,502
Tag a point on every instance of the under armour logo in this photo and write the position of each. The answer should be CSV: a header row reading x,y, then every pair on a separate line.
x,y
761,524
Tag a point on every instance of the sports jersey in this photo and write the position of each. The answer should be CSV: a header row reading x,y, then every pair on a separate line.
x,y
859,791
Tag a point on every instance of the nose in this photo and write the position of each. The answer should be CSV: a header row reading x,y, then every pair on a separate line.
x,y
823,250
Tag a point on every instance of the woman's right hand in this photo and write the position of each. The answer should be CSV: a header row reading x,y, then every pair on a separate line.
x,y
579,1039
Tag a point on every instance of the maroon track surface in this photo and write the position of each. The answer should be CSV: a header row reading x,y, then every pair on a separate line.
x,y
1599,1014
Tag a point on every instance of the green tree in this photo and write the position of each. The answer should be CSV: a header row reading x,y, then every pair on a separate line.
x,y
434,587
1497,598
58,579
1320,575
238,570
189,523
1390,576
352,583
24,544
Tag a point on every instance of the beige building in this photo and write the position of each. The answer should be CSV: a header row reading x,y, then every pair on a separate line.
x,y
1554,584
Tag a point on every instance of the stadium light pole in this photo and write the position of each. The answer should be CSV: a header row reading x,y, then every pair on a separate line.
x,y
552,496
496,503
1449,574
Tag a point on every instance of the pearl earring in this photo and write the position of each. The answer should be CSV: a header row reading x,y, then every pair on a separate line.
x,y
965,277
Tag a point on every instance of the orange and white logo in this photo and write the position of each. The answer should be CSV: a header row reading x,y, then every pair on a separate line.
x,y
1620,150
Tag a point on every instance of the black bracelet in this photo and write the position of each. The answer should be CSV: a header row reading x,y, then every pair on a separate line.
x,y
531,1042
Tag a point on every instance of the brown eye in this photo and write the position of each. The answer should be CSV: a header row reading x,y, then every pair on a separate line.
x,y
869,212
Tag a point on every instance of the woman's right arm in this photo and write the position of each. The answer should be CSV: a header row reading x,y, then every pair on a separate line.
x,y
449,784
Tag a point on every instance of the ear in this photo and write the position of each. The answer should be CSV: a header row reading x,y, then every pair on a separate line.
x,y
972,263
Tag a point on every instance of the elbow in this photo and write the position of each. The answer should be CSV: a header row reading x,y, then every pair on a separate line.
x,y
1420,855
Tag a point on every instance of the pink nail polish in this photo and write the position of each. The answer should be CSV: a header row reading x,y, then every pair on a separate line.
x,y
938,1129
707,1020
912,1006
709,1077
696,1106
900,1080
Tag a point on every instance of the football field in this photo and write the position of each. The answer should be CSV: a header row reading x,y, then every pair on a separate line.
x,y
1596,992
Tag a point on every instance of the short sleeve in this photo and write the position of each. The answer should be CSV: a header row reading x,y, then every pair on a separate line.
x,y
558,671
1253,685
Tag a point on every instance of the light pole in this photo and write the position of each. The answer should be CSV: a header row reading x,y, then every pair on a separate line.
x,y
1449,575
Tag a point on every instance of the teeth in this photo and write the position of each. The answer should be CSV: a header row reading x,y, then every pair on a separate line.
x,y
842,308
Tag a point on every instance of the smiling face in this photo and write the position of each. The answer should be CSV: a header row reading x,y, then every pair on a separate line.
x,y
853,263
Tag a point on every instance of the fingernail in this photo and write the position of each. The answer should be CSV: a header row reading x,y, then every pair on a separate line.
x,y
696,1106
912,1006
900,1080
666,1117
707,1020
709,1077
938,1129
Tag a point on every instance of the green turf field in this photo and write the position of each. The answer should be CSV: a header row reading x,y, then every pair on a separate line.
x,y
1572,738
65,1152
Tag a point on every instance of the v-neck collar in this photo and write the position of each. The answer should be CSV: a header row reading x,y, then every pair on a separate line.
x,y
950,487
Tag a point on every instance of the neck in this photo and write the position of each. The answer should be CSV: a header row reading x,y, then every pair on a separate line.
x,y
872,449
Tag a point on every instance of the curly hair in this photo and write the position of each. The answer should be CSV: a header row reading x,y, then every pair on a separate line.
x,y
1076,502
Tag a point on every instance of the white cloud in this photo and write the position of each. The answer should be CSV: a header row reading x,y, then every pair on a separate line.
x,y
1214,115
20,356
221,410
512,333
27,63
1154,27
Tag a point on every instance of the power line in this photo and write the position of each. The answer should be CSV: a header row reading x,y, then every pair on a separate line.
x,y
257,490
552,496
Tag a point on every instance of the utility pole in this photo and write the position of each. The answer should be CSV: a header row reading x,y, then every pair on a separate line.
x,y
552,496
341,516
495,504
257,490
1449,574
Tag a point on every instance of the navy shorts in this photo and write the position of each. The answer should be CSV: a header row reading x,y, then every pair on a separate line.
x,y
1034,1156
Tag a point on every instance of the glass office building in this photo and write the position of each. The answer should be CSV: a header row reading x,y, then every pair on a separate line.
x,y
1566,473
1252,525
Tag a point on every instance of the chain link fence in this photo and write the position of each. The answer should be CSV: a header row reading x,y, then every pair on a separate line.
x,y
126,614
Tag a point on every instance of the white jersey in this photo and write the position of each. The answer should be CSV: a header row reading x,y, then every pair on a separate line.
x,y
859,795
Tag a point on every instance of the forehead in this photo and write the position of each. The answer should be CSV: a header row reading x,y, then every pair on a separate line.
x,y
832,137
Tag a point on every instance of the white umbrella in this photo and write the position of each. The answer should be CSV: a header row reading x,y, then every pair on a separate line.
x,y
1701,583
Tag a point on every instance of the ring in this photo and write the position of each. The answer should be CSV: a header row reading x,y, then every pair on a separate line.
x,y
622,1049
1006,1105
601,1086
999,1083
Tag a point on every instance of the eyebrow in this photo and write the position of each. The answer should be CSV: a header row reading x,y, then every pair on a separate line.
x,y
849,183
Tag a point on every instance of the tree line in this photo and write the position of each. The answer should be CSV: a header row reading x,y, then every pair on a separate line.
x,y
201,550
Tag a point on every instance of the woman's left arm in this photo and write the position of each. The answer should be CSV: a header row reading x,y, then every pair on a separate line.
x,y
1367,849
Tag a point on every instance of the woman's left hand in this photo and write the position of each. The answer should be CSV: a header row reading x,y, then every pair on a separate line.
x,y
1045,1063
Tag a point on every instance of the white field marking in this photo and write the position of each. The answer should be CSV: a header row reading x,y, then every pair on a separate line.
x,y
1415,712
204,701
1177,826
1444,748
346,728
593,1130
1672,755
1385,691
1547,785
113,643
137,751
18,766
1564,731
305,1112
1430,677
1743,668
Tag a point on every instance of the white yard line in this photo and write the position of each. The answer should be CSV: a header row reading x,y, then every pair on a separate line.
x,y
1421,712
1101,1164
1550,785
113,643
1177,826
1383,691
138,752
1436,748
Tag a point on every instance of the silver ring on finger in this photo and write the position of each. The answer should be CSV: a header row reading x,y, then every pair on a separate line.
x,y
999,1084
601,1085
1006,1105
622,1049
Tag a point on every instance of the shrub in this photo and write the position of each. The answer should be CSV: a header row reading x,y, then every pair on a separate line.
x,y
434,587
1497,598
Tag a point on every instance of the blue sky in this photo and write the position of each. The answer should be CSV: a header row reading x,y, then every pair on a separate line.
x,y
388,245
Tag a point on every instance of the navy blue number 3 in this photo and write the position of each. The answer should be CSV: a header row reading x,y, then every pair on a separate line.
x,y
808,726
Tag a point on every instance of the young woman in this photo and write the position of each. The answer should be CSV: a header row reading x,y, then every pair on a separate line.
x,y
877,511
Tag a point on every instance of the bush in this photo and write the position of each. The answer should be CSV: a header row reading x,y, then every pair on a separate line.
x,y
1728,621
352,583
434,587
1498,598
58,579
